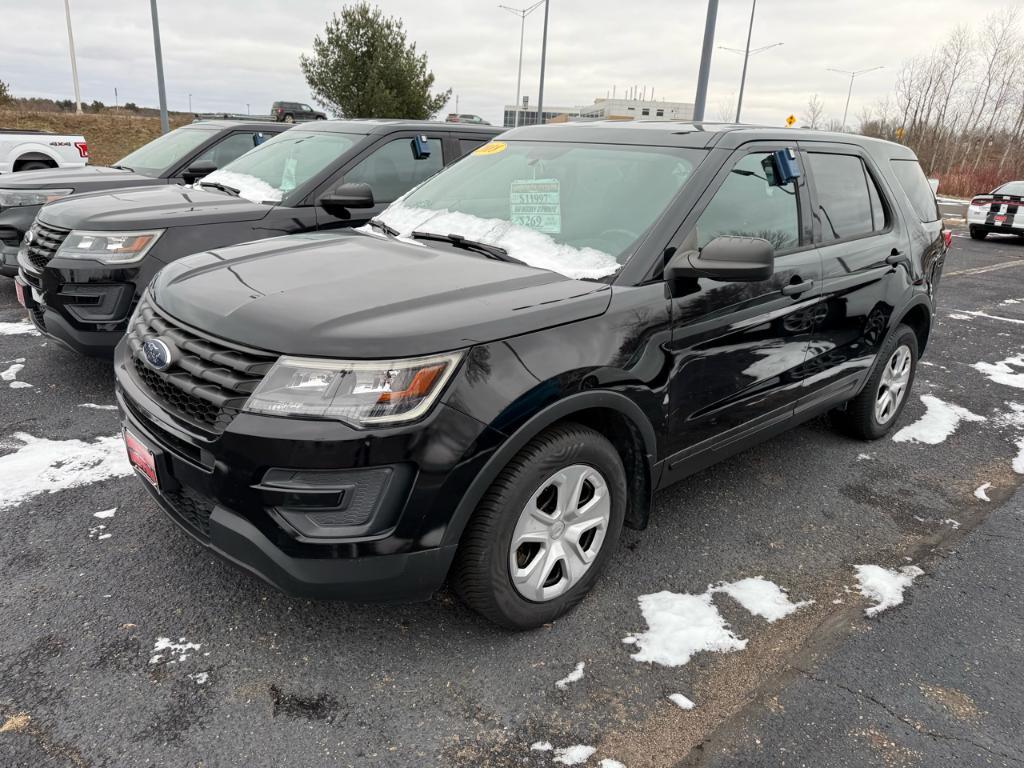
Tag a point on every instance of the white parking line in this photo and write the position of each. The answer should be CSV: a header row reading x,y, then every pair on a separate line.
x,y
979,270
986,315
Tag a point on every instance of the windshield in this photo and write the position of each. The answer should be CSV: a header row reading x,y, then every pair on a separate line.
x,y
278,166
1011,188
160,155
576,209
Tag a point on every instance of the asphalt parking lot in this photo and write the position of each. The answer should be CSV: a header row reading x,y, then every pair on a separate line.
x,y
129,645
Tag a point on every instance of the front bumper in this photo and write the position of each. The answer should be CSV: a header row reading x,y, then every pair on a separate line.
x,y
224,490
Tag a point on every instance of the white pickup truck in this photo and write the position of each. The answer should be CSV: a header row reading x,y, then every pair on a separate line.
x,y
32,150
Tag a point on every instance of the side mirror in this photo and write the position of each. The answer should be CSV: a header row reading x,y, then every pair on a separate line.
x,y
726,258
339,200
196,171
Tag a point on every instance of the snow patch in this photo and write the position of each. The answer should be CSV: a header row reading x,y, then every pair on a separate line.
x,y
981,492
251,188
18,329
609,763
761,598
200,677
959,316
11,374
99,407
1009,372
105,514
1018,462
20,385
47,466
164,647
864,457
577,754
96,533
572,677
681,701
541,746
951,522
940,420
884,586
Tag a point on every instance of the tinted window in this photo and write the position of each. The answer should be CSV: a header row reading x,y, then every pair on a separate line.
x,y
162,154
228,149
468,145
917,189
847,199
1012,188
746,206
393,170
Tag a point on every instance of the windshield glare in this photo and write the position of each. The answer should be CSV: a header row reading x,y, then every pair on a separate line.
x,y
161,154
278,166
576,209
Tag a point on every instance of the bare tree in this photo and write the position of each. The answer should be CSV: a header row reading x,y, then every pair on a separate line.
x,y
814,117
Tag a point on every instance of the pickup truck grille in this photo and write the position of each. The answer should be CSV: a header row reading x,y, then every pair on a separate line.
x,y
45,242
208,380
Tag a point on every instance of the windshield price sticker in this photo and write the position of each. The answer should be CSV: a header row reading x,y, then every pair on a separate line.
x,y
491,148
537,204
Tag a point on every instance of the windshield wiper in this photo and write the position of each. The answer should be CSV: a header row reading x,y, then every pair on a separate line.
x,y
385,228
123,168
459,241
222,187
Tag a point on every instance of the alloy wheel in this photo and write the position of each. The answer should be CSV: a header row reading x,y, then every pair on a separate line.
x,y
892,387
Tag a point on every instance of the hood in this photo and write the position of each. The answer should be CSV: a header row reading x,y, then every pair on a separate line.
x,y
88,178
359,296
167,205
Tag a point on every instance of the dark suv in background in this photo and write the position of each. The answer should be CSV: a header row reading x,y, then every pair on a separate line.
x,y
294,112
497,378
202,146
87,259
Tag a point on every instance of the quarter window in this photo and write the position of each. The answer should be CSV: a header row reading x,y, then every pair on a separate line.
x,y
848,202
745,205
393,170
917,188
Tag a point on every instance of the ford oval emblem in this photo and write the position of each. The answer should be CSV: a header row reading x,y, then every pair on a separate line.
x,y
29,237
157,354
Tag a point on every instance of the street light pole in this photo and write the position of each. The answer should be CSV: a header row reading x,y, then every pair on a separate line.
x,y
747,53
164,124
74,64
853,74
746,58
522,13
543,61
704,72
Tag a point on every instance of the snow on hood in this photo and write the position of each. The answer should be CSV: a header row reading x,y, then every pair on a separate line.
x,y
252,189
527,245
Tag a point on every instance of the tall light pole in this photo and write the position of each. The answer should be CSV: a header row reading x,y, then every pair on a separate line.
x,y
74,64
704,72
522,13
164,125
853,75
543,61
747,53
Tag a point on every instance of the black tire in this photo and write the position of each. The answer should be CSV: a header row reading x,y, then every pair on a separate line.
x,y
289,118
859,418
978,234
481,574
34,165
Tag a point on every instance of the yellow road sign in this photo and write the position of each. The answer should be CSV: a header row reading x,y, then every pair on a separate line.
x,y
790,120
899,134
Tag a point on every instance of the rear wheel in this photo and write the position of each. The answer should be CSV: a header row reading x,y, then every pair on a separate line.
x,y
978,234
34,165
872,413
545,530
289,118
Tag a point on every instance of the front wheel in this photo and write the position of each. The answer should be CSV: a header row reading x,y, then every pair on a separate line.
x,y
545,530
872,413
289,119
978,234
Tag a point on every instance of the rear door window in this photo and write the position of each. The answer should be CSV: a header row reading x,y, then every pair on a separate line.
x,y
917,189
227,149
847,201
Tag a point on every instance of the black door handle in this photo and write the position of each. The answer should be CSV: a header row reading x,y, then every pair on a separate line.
x,y
896,258
795,289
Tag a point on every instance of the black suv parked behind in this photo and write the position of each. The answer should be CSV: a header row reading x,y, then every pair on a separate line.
x,y
181,156
537,339
87,259
294,112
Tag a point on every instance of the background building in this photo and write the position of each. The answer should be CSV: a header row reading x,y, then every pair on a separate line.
x,y
605,109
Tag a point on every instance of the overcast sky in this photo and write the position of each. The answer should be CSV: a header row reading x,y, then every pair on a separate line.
x,y
230,53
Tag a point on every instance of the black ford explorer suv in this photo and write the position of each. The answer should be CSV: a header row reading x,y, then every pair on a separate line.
x,y
489,386
294,112
87,259
181,156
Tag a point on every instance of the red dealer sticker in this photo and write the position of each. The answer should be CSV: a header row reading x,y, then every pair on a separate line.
x,y
141,458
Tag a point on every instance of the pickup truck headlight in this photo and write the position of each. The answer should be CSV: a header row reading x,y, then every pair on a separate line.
x,y
360,392
113,248
15,198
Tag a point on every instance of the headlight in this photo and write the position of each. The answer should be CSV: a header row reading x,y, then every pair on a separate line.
x,y
15,198
359,392
108,247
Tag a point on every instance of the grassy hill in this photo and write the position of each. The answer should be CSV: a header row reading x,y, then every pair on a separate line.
x,y
110,135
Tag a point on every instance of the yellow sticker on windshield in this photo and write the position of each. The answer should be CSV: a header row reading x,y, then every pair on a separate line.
x,y
491,148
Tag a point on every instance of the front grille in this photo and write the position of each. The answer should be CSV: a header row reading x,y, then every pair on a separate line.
x,y
208,381
45,242
192,508
38,318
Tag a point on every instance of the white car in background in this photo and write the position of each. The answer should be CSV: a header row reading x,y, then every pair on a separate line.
x,y
999,211
33,150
